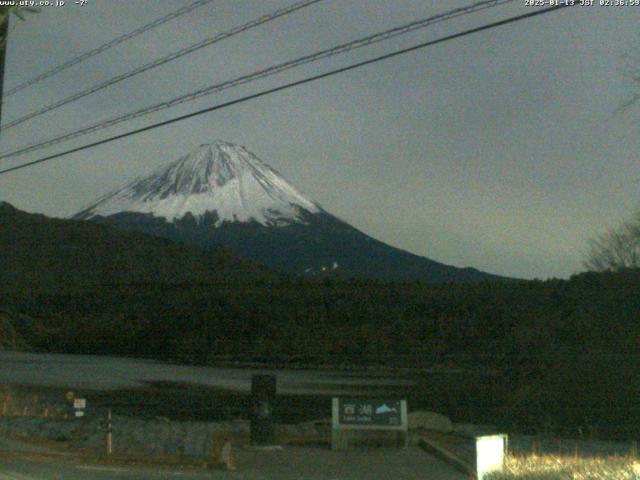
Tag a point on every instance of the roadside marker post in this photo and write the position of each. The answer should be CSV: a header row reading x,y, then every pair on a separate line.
x,y
109,434
106,426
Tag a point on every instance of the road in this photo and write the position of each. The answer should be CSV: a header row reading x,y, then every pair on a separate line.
x,y
28,470
94,372
24,461
430,468
21,460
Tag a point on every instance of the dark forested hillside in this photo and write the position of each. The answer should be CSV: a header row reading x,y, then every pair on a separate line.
x,y
321,245
566,351
46,254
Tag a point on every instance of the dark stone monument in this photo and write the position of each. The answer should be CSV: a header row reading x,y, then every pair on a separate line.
x,y
263,396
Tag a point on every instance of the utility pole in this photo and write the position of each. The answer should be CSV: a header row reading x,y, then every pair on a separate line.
x,y
5,13
4,33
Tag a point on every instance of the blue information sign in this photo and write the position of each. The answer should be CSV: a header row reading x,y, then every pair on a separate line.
x,y
360,411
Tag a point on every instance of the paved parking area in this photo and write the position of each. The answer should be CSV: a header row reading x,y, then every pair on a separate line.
x,y
20,461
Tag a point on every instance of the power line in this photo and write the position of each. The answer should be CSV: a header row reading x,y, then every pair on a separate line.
x,y
362,42
161,61
293,84
116,41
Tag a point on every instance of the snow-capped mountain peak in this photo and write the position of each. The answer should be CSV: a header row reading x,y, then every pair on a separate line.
x,y
218,178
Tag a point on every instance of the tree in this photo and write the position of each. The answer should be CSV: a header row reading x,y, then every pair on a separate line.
x,y
632,72
5,12
616,249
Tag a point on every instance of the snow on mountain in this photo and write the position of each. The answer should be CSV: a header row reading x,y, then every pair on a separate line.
x,y
236,200
220,178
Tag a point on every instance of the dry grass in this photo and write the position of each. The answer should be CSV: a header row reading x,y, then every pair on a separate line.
x,y
555,467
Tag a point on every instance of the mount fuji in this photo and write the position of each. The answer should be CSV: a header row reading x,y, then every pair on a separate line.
x,y
222,194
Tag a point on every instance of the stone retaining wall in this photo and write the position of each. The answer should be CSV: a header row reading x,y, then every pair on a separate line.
x,y
149,437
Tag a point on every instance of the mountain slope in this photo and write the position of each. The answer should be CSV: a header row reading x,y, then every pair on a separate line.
x,y
222,194
40,253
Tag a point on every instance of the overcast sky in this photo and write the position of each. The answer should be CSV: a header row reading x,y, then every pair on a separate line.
x,y
501,150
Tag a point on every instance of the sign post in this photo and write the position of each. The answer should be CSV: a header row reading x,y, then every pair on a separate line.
x,y
79,406
263,396
367,414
